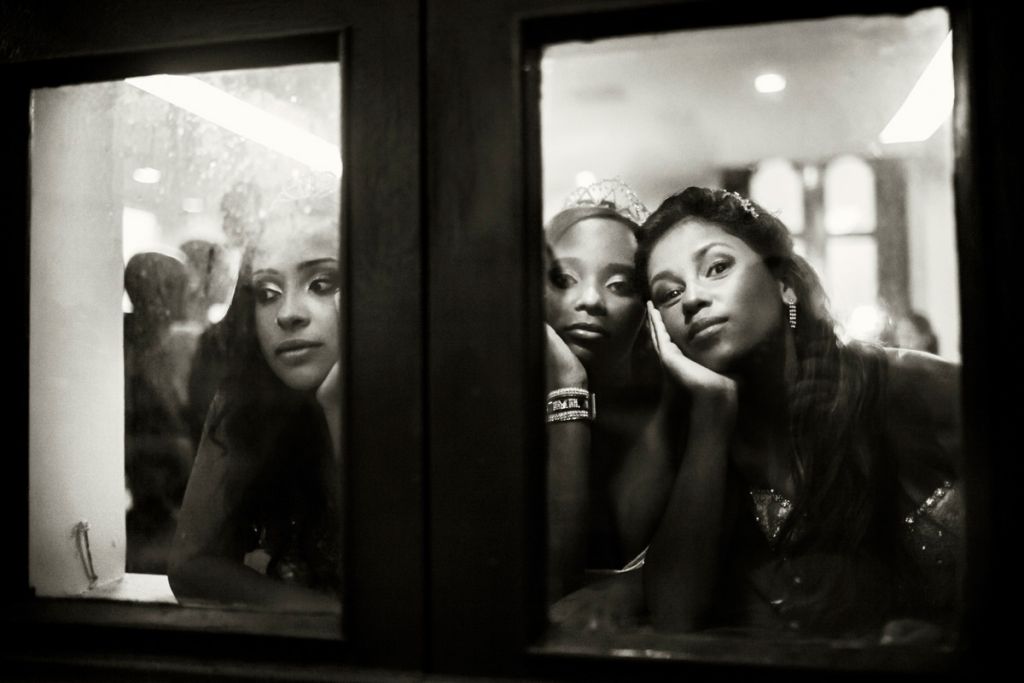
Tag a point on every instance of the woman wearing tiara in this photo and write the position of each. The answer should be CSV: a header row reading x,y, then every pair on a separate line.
x,y
259,525
817,491
608,473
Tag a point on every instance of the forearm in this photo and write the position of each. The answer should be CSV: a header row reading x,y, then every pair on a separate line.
x,y
333,419
568,501
212,580
682,561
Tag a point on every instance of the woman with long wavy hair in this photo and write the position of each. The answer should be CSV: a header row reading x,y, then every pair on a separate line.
x,y
817,486
259,524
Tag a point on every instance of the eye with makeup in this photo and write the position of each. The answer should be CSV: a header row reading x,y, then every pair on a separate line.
x,y
664,294
560,278
265,292
324,283
621,286
719,266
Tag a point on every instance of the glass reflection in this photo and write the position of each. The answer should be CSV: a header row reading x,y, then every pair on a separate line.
x,y
192,183
792,467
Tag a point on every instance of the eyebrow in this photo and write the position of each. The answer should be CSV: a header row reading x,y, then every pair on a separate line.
x,y
614,265
617,268
706,248
305,265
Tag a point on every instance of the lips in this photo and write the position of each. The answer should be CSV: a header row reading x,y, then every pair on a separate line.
x,y
295,348
705,327
586,331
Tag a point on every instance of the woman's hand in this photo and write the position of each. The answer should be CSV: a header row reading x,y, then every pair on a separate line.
x,y
564,369
611,604
328,394
693,376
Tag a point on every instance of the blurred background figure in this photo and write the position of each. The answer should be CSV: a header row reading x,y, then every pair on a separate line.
x,y
210,281
914,331
158,448
241,209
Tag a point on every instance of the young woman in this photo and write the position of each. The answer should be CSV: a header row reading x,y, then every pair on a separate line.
x,y
607,474
259,524
817,488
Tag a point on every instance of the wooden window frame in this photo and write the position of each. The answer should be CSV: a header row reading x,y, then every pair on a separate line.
x,y
446,523
381,254
484,167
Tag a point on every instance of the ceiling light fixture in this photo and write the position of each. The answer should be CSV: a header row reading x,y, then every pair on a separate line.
x,y
929,103
231,113
147,175
768,83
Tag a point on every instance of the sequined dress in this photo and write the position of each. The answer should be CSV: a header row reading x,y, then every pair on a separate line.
x,y
770,582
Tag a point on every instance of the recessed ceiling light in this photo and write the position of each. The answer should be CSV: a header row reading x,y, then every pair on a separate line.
x,y
766,83
146,175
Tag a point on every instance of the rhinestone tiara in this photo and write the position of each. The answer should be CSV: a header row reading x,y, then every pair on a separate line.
x,y
613,194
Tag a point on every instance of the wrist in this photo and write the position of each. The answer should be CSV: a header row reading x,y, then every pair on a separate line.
x,y
717,406
567,380
570,404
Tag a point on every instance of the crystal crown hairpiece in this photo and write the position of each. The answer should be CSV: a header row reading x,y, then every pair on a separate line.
x,y
747,205
613,194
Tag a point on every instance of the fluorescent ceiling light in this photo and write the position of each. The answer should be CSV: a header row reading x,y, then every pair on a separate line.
x,y
231,113
766,83
929,103
146,175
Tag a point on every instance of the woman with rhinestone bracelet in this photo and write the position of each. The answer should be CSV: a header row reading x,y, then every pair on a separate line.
x,y
260,524
608,476
817,487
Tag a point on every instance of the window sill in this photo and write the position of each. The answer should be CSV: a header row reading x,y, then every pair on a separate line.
x,y
146,601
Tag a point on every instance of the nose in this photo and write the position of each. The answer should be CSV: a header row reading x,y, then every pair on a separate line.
x,y
694,300
591,299
293,313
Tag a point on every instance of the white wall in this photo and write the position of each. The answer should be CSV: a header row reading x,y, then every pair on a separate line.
x,y
76,385
931,235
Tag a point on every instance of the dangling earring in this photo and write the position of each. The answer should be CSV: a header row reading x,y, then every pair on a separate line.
x,y
790,300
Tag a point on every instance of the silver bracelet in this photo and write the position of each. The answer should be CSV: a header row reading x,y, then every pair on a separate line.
x,y
571,403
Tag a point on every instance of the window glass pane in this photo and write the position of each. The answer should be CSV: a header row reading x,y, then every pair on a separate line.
x,y
728,472
852,267
185,246
778,187
849,196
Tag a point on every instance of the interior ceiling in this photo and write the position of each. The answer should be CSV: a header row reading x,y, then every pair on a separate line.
x,y
662,111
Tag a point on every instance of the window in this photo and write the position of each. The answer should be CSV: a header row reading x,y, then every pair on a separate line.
x,y
729,108
442,184
379,294
139,230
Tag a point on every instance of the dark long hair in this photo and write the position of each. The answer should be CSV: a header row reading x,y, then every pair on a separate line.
x,y
254,403
845,508
282,435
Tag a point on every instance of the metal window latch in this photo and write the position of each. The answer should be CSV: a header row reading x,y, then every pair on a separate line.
x,y
81,531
